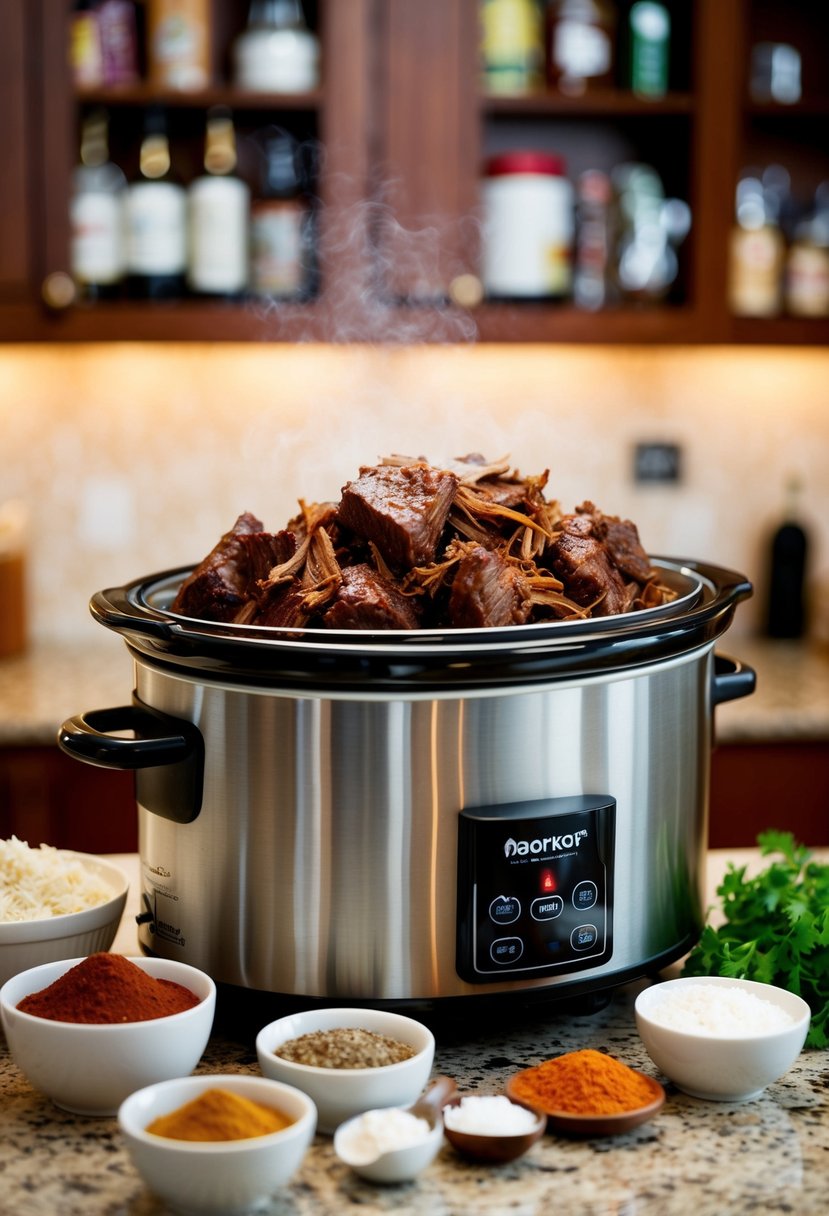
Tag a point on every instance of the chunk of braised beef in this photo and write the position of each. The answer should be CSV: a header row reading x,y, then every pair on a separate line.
x,y
226,579
281,607
582,562
402,510
621,536
487,591
366,600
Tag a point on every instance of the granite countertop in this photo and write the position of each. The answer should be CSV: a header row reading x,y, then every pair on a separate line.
x,y
52,681
695,1158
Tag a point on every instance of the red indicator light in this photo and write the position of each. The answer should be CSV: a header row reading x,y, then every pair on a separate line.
x,y
547,881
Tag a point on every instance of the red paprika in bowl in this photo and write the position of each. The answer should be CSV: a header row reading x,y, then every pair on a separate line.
x,y
108,988
90,1067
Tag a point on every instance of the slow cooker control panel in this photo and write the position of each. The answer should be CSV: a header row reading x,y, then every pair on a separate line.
x,y
535,887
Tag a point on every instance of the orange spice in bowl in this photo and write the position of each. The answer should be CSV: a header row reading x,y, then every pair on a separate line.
x,y
588,1092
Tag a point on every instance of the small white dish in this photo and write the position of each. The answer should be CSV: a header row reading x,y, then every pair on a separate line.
x,y
28,943
89,1068
340,1093
229,1176
399,1164
722,1067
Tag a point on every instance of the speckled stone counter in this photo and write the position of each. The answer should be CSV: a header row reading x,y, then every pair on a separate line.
x,y
694,1159
50,682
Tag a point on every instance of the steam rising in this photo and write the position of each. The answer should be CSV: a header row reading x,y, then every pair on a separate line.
x,y
363,253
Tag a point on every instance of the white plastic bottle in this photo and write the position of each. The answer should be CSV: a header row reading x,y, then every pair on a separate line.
x,y
528,227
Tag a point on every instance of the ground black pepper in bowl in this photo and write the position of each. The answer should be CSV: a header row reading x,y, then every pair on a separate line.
x,y
344,1047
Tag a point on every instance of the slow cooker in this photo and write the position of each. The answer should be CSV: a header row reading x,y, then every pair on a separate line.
x,y
413,816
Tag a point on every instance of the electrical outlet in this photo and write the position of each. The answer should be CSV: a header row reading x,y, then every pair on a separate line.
x,y
657,462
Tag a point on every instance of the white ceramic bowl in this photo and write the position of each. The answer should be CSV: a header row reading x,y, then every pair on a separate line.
x,y
341,1093
27,943
725,1068
90,1069
226,1176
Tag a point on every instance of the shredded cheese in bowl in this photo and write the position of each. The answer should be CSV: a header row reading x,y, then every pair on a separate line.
x,y
36,884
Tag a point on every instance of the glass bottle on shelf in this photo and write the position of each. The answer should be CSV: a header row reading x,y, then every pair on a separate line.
x,y
276,52
512,46
281,223
649,48
96,244
593,262
155,215
807,262
218,206
580,45
756,252
117,21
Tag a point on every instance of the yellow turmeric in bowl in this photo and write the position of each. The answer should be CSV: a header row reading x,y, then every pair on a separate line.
x,y
219,1114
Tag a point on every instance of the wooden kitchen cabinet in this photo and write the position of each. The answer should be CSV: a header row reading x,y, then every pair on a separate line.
x,y
769,784
404,128
18,50
48,797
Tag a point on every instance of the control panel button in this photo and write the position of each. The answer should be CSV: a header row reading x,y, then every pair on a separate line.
x,y
585,894
547,907
584,937
504,909
506,950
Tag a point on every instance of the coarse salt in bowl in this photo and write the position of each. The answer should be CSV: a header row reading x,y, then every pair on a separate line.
x,y
341,1093
89,1068
490,1127
719,1038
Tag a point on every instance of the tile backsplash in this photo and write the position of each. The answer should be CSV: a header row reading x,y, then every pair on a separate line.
x,y
133,458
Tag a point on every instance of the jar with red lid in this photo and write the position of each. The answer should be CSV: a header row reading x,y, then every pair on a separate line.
x,y
527,238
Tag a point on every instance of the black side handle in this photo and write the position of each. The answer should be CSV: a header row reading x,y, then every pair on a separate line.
x,y
732,679
166,754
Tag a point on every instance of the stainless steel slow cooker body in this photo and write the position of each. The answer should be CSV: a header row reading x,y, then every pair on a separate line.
x,y
412,817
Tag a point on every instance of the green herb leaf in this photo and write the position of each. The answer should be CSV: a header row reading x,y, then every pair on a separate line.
x,y
776,928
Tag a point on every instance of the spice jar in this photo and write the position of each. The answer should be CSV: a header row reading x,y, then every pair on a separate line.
x,y
276,52
179,43
527,226
13,623
581,45
512,46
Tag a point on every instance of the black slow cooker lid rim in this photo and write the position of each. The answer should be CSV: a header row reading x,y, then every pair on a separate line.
x,y
371,673
129,610
556,654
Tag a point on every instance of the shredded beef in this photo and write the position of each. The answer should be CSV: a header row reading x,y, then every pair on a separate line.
x,y
401,510
412,545
623,544
585,567
488,590
366,600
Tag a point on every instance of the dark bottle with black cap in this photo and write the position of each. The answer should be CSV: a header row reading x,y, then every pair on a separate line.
x,y
786,613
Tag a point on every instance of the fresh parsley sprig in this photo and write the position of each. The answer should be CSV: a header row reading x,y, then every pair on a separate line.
x,y
776,928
